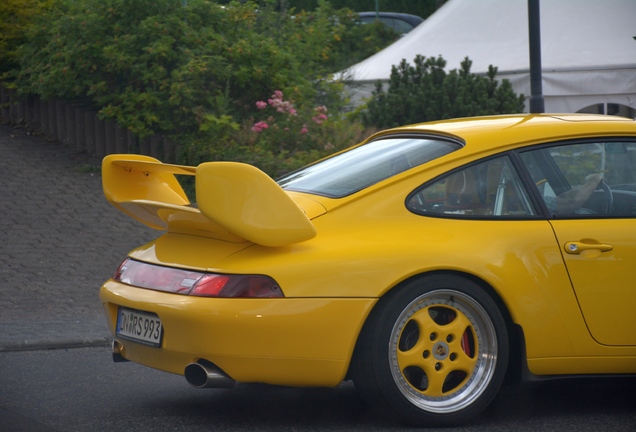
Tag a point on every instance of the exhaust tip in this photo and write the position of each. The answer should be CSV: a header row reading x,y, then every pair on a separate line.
x,y
117,350
205,374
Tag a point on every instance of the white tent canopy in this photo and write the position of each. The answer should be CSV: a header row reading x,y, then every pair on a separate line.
x,y
588,49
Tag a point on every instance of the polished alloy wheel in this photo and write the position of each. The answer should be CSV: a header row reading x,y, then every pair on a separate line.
x,y
434,351
443,351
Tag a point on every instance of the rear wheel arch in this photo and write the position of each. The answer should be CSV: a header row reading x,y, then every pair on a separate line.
x,y
380,364
515,331
516,339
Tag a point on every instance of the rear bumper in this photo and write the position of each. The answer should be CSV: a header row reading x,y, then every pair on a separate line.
x,y
288,341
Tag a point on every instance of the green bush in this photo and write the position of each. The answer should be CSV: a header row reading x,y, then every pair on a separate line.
x,y
332,38
154,65
422,8
426,92
195,72
16,16
157,66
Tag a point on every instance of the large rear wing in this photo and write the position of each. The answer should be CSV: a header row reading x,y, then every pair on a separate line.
x,y
235,202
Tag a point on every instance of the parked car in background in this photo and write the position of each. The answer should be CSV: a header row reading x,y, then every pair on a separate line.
x,y
428,264
401,23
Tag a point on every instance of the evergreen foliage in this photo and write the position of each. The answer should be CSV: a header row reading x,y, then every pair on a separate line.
x,y
425,92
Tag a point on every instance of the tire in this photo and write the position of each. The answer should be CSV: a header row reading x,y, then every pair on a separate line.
x,y
433,352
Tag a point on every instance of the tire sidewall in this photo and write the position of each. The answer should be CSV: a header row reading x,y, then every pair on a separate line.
x,y
376,365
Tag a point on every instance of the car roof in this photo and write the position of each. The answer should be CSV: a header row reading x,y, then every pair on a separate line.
x,y
499,133
414,20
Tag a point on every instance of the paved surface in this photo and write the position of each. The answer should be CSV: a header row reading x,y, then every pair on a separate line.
x,y
59,240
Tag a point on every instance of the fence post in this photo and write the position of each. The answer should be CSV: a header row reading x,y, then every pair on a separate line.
x,y
80,129
133,142
44,116
13,107
69,117
156,146
109,133
36,122
144,146
168,150
29,112
19,107
60,118
121,142
52,130
100,138
5,110
90,120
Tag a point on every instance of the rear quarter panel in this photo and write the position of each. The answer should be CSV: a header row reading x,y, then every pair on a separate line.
x,y
370,246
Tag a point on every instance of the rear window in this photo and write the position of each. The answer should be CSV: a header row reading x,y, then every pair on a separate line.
x,y
365,165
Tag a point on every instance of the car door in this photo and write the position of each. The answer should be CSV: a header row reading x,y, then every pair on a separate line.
x,y
598,238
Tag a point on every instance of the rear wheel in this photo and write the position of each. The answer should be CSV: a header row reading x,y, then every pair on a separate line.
x,y
434,352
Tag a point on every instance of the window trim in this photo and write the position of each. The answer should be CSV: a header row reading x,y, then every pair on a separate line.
x,y
454,143
521,173
536,200
536,195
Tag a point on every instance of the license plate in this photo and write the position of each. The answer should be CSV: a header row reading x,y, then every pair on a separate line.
x,y
138,326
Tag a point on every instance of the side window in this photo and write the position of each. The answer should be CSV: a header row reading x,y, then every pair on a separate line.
x,y
586,179
487,189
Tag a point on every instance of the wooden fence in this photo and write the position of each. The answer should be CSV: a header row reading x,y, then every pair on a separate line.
x,y
79,127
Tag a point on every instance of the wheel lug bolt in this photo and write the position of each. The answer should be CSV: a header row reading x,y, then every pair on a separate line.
x,y
453,356
433,336
426,353
438,366
449,338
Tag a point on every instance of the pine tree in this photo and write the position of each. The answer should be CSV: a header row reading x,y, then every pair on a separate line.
x,y
426,92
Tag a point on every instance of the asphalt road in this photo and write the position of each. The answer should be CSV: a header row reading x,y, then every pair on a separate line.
x,y
83,390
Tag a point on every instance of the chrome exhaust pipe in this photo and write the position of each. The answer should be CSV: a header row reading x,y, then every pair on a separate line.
x,y
205,374
117,351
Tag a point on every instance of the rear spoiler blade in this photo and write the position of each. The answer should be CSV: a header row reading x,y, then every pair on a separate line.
x,y
236,202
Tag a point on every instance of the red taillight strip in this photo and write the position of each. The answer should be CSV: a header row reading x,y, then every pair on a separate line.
x,y
194,283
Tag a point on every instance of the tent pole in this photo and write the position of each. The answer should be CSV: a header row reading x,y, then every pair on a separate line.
x,y
537,104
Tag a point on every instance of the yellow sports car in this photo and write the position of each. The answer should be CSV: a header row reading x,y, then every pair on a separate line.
x,y
428,264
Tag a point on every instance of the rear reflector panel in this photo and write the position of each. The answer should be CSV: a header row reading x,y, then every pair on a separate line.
x,y
179,281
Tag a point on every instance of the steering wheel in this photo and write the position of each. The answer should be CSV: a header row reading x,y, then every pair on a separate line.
x,y
608,193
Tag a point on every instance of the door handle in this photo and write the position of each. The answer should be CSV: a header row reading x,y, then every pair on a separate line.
x,y
576,247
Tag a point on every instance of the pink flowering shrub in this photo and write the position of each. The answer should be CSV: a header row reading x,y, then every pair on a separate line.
x,y
278,137
277,102
321,114
282,127
260,126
